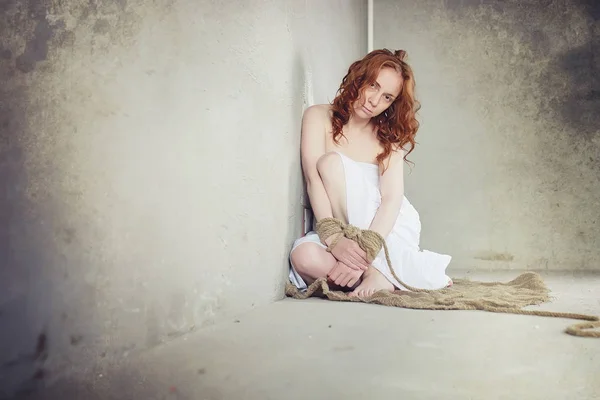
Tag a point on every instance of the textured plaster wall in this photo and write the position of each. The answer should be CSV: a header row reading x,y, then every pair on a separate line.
x,y
149,167
507,170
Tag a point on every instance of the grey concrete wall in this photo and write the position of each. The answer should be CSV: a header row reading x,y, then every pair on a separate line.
x,y
507,172
150,167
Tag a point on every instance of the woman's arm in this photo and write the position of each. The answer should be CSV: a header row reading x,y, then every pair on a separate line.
x,y
312,147
392,193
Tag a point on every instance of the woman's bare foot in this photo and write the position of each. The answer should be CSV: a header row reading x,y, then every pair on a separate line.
x,y
373,281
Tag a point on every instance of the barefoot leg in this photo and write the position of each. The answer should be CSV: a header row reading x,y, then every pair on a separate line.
x,y
373,281
331,171
312,261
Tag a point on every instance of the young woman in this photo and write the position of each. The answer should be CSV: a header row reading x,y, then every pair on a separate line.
x,y
352,155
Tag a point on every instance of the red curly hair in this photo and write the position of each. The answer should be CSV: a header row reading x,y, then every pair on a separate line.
x,y
397,126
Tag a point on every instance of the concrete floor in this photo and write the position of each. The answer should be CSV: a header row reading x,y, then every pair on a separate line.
x,y
316,349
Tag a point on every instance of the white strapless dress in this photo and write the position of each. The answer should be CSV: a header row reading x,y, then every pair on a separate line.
x,y
418,268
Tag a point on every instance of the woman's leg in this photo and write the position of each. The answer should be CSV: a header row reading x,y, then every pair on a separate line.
x,y
310,260
331,169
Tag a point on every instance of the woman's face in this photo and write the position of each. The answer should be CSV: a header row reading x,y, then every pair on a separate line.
x,y
379,95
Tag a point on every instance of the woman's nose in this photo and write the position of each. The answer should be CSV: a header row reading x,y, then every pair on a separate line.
x,y
373,100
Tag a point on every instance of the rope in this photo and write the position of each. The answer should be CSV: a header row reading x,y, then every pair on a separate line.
x,y
372,242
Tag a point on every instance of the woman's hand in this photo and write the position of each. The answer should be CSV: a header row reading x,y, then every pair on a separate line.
x,y
343,275
349,252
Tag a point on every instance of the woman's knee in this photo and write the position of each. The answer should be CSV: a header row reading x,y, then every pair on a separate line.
x,y
330,166
312,261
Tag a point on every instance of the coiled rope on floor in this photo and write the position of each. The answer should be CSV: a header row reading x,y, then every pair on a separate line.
x,y
372,243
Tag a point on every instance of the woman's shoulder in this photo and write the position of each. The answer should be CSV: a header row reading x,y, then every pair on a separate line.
x,y
318,111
